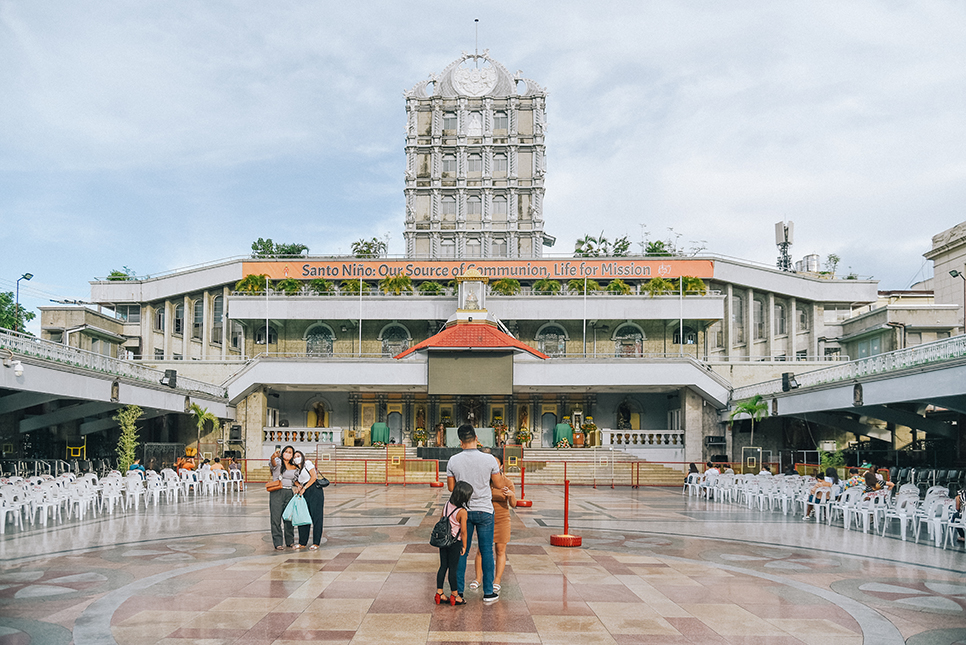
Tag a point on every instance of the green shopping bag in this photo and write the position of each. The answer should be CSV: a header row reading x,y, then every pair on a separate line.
x,y
297,512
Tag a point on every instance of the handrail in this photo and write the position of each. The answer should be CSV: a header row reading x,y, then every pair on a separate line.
x,y
932,353
56,352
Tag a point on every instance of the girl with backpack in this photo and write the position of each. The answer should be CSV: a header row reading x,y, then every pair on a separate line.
x,y
449,556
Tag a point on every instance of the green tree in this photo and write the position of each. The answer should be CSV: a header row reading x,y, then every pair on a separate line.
x,y
321,287
832,263
352,287
692,285
371,248
577,285
127,444
659,287
619,287
657,248
253,284
546,286
396,285
269,249
10,316
505,287
755,407
591,247
430,288
202,417
289,286
832,459
120,276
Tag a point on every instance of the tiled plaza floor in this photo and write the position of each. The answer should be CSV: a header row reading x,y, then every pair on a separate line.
x,y
655,567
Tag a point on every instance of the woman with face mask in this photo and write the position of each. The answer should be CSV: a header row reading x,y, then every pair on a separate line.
x,y
286,471
314,498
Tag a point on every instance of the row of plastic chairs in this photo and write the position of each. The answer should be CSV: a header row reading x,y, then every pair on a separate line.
x,y
854,507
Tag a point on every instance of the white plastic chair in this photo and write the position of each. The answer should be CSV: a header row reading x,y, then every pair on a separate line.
x,y
44,500
189,481
904,509
237,480
11,503
133,490
155,487
111,492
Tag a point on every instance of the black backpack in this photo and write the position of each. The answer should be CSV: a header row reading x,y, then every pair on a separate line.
x,y
442,536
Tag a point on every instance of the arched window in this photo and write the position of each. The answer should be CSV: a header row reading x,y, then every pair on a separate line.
x,y
780,319
628,340
395,339
690,336
217,313
449,121
199,318
759,319
237,335
449,165
474,209
499,165
499,209
500,121
738,318
179,319
552,340
474,165
803,320
319,340
260,336
448,208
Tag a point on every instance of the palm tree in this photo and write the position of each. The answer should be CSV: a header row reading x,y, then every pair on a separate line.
x,y
546,285
755,407
577,285
396,285
690,284
619,287
505,287
289,286
321,287
430,288
202,416
253,284
659,287
352,287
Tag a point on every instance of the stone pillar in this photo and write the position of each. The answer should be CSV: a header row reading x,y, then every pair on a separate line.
x,y
770,322
692,423
252,414
792,327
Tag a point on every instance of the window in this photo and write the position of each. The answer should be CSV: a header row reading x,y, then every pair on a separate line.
x,y
129,313
199,318
912,338
260,336
552,340
318,340
628,341
159,354
179,319
159,318
448,208
474,208
690,336
803,320
801,355
780,319
237,335
499,165
449,165
738,318
178,357
395,340
95,345
759,319
499,209
499,247
55,336
474,164
500,121
217,313
449,120
474,249
941,335
447,249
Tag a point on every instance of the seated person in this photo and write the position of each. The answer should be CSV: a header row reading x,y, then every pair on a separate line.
x,y
831,480
217,465
765,470
711,469
855,479
136,465
234,465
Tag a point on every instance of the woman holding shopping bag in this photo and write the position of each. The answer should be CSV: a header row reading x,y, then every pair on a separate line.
x,y
305,485
284,471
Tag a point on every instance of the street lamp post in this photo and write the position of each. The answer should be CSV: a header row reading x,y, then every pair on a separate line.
x,y
959,274
16,315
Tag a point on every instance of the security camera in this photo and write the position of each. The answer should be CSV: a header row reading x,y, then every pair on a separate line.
x,y
17,368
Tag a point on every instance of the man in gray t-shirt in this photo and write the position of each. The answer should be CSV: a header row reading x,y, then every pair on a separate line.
x,y
478,469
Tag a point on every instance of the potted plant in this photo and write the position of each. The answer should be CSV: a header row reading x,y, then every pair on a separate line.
x,y
505,287
420,436
321,287
619,287
289,286
396,285
577,286
524,437
430,288
546,286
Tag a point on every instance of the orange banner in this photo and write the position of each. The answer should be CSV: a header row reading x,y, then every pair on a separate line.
x,y
593,268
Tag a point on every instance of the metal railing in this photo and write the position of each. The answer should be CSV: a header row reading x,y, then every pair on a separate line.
x,y
927,354
79,358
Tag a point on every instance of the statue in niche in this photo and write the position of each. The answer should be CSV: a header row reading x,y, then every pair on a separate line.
x,y
623,417
472,302
319,415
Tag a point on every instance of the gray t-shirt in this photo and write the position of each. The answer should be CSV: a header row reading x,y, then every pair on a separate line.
x,y
475,467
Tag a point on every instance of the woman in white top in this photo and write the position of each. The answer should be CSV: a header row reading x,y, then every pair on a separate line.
x,y
284,470
314,498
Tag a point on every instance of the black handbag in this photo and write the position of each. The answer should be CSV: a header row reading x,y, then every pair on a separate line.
x,y
442,536
321,482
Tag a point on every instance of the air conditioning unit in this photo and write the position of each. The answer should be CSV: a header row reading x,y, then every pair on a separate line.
x,y
715,441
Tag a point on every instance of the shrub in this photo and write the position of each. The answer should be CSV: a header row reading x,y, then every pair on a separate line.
x,y
505,287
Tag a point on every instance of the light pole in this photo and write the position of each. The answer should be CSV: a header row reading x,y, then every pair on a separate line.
x,y
16,315
959,274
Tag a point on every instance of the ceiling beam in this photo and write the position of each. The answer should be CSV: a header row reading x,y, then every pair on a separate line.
x,y
63,415
24,400
904,418
842,422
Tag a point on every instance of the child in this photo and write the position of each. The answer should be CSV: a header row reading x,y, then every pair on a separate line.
x,y
455,511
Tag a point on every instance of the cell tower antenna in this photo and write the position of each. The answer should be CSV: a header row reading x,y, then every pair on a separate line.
x,y
476,50
784,232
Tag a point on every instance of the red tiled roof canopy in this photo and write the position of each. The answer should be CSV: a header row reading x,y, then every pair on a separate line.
x,y
469,336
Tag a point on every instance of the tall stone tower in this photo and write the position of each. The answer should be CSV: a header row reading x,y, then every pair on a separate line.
x,y
475,163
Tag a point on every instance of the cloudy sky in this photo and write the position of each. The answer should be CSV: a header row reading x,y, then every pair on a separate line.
x,y
157,135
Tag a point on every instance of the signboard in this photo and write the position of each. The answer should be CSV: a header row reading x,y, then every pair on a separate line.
x,y
563,269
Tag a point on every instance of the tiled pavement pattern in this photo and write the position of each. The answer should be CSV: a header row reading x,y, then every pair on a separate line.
x,y
656,567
